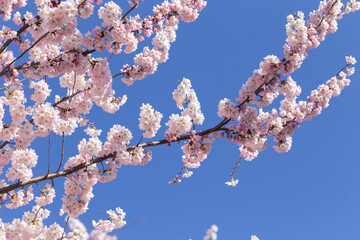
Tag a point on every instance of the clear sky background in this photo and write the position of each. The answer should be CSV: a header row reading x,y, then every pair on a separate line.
x,y
312,192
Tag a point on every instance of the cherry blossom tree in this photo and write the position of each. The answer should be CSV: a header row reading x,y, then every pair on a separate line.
x,y
55,75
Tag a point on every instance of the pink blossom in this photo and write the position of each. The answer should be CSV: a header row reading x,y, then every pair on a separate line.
x,y
42,91
232,183
177,125
149,120
211,233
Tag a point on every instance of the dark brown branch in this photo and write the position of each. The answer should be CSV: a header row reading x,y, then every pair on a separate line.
x,y
68,97
322,19
123,17
22,67
37,41
8,42
118,74
4,144
103,158
54,175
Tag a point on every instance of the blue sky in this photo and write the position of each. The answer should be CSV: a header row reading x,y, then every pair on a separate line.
x,y
311,192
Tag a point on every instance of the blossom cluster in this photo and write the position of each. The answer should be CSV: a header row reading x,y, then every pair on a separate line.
x,y
263,86
101,91
266,84
41,92
196,149
190,115
255,126
114,221
165,23
110,13
46,197
79,185
9,6
19,198
78,188
149,120
233,182
211,233
31,226
21,163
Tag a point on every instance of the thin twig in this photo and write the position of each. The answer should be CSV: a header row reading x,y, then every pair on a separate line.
x,y
127,226
68,97
140,140
62,152
2,202
123,17
322,19
235,168
33,221
110,57
16,84
37,184
67,220
49,154
118,74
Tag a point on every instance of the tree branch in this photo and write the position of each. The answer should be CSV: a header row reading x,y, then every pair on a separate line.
x,y
41,38
8,42
103,158
322,19
57,174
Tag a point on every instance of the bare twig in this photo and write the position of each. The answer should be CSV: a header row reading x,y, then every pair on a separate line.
x,y
140,140
127,226
62,152
235,168
112,54
123,17
67,221
118,74
49,154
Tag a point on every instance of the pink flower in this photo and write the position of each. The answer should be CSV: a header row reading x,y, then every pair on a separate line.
x,y
149,120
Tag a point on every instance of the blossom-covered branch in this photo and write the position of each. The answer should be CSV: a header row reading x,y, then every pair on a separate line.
x,y
59,54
